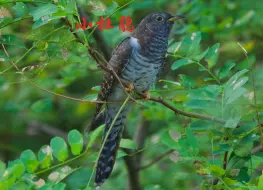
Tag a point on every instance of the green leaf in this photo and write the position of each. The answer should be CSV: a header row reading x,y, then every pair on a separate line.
x,y
98,12
41,106
170,138
45,156
59,186
174,47
201,125
75,141
232,122
243,149
190,44
96,88
201,104
94,135
212,55
5,21
260,181
30,161
234,90
59,148
200,56
11,40
192,140
233,87
43,10
18,167
77,180
224,71
129,144
235,77
180,63
60,174
245,128
209,92
20,9
217,170
237,162
237,93
91,97
186,81
112,7
44,20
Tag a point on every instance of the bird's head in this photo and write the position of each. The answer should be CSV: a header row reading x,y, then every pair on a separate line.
x,y
159,22
155,24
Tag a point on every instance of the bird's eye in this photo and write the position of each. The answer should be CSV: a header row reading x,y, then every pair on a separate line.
x,y
159,18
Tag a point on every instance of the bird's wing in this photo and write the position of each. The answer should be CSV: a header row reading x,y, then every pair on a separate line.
x,y
120,57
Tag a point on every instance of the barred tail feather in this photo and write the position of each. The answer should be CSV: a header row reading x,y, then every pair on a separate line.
x,y
109,152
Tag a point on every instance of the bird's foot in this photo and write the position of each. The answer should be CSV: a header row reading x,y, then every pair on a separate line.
x,y
129,87
147,96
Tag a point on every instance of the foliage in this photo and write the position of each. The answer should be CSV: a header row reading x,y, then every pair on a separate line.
x,y
213,69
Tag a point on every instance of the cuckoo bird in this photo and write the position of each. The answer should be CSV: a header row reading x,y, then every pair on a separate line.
x,y
137,60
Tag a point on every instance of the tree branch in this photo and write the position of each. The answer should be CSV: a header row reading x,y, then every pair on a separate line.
x,y
157,159
184,113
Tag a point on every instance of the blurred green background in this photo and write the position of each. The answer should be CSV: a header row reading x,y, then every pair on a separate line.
x,y
49,56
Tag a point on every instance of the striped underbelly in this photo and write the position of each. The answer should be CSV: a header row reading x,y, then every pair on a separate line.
x,y
142,72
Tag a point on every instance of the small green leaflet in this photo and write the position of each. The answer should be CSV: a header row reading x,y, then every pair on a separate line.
x,y
212,55
41,106
232,122
59,148
201,55
192,141
180,63
45,156
224,71
43,14
75,141
43,10
201,125
20,9
30,161
237,162
129,144
11,40
190,45
17,166
186,81
233,88
260,181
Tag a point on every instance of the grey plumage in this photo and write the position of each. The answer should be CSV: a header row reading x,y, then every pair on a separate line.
x,y
137,59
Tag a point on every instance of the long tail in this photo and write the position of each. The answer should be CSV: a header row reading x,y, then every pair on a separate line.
x,y
109,151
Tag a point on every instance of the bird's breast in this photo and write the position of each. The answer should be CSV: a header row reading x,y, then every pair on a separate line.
x,y
142,71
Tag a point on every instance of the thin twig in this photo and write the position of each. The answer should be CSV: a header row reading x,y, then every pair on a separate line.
x,y
41,88
187,114
255,97
157,159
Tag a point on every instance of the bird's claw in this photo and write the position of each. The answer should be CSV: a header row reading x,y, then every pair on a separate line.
x,y
147,96
129,87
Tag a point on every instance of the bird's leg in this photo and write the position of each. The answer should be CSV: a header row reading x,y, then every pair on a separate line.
x,y
146,95
129,87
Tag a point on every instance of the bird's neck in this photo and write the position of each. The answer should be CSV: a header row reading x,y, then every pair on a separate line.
x,y
151,43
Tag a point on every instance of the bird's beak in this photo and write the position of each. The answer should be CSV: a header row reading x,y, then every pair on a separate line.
x,y
175,18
